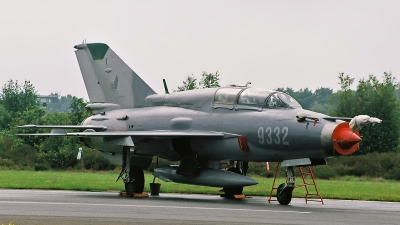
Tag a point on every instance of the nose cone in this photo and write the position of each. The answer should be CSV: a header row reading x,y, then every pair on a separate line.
x,y
344,140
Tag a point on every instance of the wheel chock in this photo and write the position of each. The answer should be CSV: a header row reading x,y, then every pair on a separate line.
x,y
123,194
140,195
239,196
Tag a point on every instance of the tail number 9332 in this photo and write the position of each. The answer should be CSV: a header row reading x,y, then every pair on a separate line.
x,y
274,135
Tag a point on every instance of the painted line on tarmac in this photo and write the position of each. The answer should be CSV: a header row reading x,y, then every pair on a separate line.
x,y
152,206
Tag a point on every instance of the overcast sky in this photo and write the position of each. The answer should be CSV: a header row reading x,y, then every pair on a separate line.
x,y
272,44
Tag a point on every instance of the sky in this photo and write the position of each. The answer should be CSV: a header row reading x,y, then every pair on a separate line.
x,y
272,44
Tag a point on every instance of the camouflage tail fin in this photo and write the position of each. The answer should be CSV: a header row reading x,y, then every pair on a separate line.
x,y
108,79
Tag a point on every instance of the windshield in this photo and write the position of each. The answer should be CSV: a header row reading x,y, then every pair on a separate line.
x,y
281,100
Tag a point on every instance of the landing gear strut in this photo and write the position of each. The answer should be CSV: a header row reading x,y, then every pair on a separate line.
x,y
132,175
284,191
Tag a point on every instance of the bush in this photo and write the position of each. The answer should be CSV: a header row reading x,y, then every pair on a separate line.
x,y
259,168
342,170
6,163
62,158
93,160
389,160
23,155
386,165
40,167
5,146
393,174
324,172
367,166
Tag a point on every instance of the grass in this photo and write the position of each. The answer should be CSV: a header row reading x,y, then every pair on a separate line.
x,y
352,188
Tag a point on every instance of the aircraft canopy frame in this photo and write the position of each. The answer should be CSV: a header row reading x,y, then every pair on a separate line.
x,y
254,97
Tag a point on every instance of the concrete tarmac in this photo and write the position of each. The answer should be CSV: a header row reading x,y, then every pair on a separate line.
x,y
76,207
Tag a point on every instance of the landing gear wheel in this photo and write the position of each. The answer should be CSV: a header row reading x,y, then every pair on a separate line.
x,y
129,188
231,191
137,185
284,196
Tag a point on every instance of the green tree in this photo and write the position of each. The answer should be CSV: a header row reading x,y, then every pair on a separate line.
x,y
61,152
344,98
5,118
19,106
320,107
78,110
209,80
58,152
29,116
323,95
308,99
17,98
377,99
321,102
189,84
305,97
288,91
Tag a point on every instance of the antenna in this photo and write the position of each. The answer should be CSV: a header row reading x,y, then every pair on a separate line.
x,y
165,86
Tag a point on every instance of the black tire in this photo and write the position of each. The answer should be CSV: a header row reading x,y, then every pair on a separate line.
x,y
284,197
137,185
129,188
231,191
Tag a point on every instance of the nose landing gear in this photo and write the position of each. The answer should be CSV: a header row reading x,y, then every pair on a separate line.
x,y
284,191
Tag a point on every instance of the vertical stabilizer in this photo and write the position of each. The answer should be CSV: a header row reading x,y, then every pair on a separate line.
x,y
108,79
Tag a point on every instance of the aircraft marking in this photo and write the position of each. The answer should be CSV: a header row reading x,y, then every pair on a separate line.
x,y
154,206
273,135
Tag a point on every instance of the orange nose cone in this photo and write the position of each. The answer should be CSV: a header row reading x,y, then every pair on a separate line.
x,y
344,140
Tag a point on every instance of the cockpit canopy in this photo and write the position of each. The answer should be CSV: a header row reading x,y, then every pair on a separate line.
x,y
255,97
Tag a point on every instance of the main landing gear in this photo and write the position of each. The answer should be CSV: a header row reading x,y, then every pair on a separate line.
x,y
241,168
135,183
132,175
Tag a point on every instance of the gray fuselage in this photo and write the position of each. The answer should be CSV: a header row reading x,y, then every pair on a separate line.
x,y
272,134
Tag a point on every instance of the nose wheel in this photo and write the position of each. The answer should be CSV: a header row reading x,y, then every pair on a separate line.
x,y
284,194
284,191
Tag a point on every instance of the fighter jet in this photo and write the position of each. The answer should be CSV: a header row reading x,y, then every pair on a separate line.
x,y
202,129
